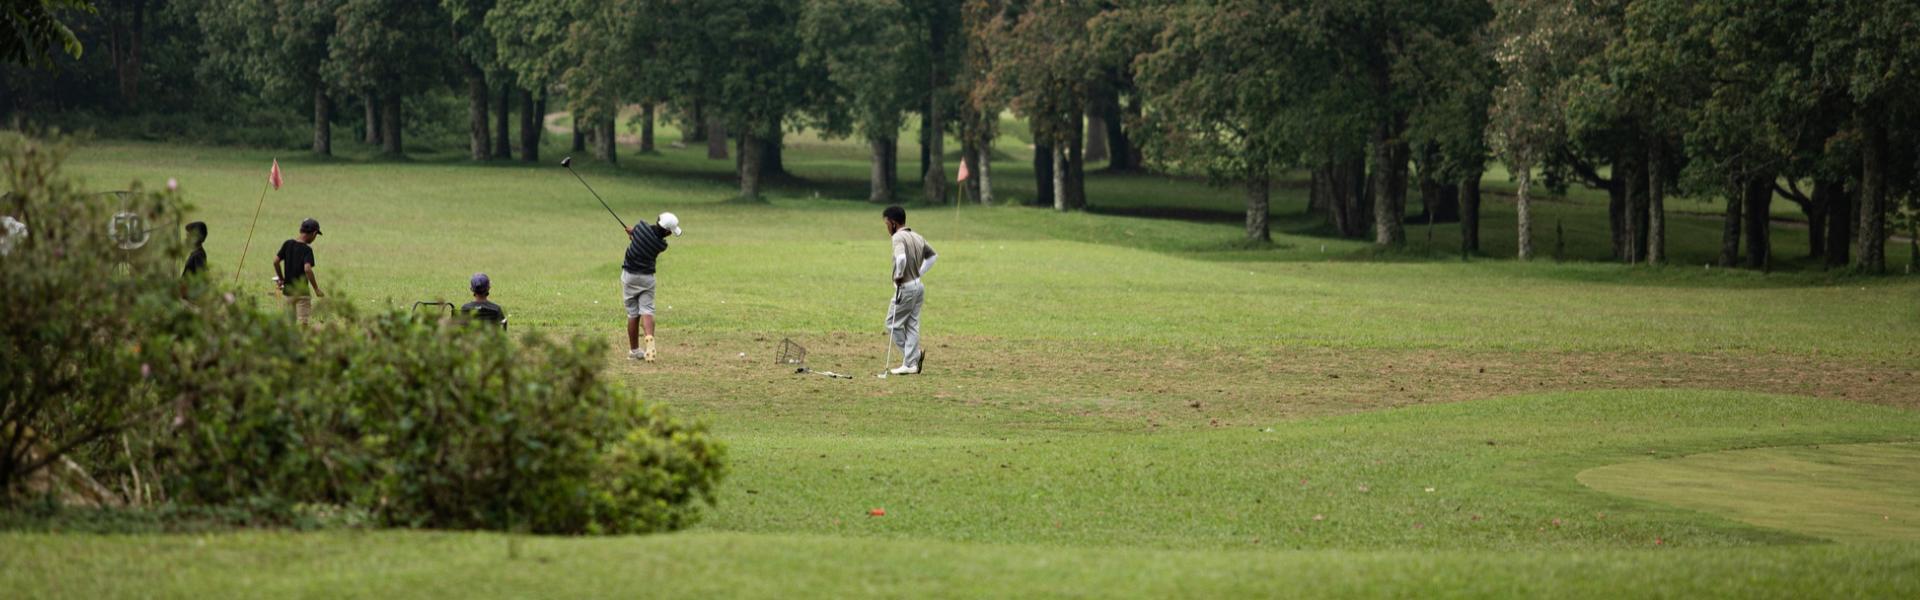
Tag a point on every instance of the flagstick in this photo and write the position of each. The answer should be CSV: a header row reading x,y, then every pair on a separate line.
x,y
256,223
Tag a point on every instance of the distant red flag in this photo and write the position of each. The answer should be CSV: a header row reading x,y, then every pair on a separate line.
x,y
273,177
964,174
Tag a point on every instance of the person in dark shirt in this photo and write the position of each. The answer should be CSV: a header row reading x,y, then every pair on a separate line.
x,y
481,309
645,243
197,261
297,278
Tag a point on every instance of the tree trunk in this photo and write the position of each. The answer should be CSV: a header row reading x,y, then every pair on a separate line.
x,y
480,137
1096,138
984,172
646,130
1839,205
1439,200
1059,180
696,127
1627,176
716,139
1043,174
1389,187
1759,212
970,187
1363,200
1470,213
1121,155
1523,207
390,125
531,125
1870,255
1656,209
751,150
1318,191
882,190
1913,245
1344,185
926,125
1429,193
373,119
1641,217
1730,230
502,114
1816,226
893,168
126,50
1617,213
322,122
1076,167
1257,210
580,135
772,164
936,175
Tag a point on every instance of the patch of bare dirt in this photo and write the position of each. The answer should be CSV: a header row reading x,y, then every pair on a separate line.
x,y
1103,384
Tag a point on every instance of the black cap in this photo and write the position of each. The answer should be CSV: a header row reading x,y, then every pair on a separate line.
x,y
310,226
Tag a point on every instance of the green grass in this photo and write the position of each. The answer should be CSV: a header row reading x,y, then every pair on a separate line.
x,y
1117,405
718,564
1843,492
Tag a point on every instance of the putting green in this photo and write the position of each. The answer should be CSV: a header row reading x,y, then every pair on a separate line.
x,y
1850,493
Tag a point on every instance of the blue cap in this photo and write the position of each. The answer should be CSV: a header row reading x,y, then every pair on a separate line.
x,y
480,283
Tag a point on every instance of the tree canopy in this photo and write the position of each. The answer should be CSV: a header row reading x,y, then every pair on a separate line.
x,y
1812,103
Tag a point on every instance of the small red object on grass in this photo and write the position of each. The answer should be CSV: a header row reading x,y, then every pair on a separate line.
x,y
878,512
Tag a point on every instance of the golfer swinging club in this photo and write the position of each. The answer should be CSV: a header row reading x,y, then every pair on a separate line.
x,y
912,258
636,279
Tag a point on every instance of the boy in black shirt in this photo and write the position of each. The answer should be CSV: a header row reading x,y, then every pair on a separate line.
x,y
197,261
480,308
297,278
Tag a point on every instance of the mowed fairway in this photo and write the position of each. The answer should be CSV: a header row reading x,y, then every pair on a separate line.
x,y
1114,405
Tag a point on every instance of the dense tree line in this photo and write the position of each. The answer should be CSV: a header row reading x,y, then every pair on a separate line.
x,y
1810,103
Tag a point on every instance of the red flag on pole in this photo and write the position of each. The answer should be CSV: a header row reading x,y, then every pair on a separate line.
x,y
273,180
964,174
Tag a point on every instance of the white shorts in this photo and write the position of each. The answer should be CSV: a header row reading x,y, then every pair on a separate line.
x,y
638,290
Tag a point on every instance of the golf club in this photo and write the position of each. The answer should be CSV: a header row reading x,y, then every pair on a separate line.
x,y
827,374
568,163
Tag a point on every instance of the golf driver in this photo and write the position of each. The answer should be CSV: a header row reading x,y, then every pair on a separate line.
x,y
568,163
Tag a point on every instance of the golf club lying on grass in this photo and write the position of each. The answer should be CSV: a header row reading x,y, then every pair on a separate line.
x,y
568,163
804,370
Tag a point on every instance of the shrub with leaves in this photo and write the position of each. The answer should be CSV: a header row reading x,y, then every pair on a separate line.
x,y
75,311
433,424
420,423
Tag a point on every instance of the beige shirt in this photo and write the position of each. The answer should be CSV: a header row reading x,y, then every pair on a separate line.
x,y
911,255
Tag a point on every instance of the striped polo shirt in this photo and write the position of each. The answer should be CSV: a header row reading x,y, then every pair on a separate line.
x,y
645,249
909,252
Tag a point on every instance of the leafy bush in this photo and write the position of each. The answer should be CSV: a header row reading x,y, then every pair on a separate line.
x,y
428,423
74,312
435,424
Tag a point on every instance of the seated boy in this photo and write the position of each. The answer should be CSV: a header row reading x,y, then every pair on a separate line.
x,y
480,308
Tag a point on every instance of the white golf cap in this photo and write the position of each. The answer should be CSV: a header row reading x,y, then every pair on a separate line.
x,y
670,223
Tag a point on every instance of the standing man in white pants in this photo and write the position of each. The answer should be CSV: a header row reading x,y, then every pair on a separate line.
x,y
912,258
